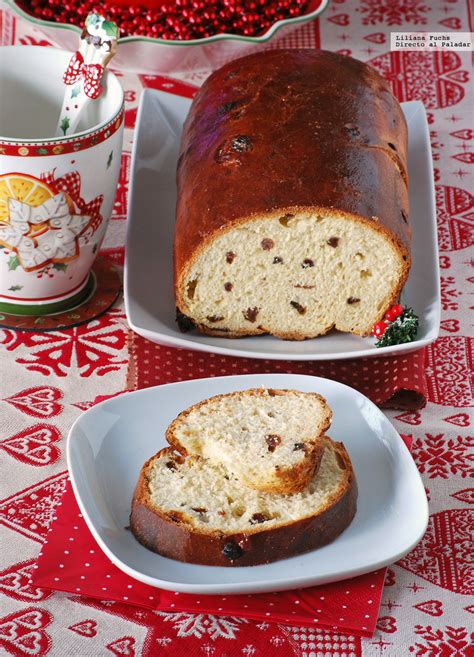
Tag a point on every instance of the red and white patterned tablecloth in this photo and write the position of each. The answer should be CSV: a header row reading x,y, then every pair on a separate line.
x,y
48,379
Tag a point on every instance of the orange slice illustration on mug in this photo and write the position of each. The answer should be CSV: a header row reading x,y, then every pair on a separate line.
x,y
37,222
26,189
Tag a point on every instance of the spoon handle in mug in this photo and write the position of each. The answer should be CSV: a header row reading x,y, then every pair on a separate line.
x,y
85,70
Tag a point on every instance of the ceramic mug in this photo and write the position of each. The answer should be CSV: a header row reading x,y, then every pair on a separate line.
x,y
56,194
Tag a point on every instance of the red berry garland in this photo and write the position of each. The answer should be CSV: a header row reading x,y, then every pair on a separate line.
x,y
183,20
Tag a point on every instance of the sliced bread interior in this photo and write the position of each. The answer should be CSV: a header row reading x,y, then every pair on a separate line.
x,y
270,439
190,509
294,276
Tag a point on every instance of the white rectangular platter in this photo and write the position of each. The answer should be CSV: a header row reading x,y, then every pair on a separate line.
x,y
149,297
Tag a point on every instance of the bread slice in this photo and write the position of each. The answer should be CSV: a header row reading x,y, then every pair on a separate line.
x,y
269,439
187,508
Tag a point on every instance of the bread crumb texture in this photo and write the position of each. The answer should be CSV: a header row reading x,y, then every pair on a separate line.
x,y
257,434
293,276
208,499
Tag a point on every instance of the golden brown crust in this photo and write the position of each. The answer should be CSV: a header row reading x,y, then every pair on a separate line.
x,y
294,480
286,480
337,142
177,539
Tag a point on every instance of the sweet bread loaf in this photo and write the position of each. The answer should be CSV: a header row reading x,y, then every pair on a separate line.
x,y
292,211
189,509
271,440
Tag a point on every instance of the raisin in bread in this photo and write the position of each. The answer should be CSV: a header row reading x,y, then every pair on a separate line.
x,y
272,440
189,509
292,212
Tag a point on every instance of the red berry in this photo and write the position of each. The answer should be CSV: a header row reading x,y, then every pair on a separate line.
x,y
397,310
379,329
393,312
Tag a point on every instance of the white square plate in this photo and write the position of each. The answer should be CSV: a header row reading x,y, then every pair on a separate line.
x,y
149,297
110,442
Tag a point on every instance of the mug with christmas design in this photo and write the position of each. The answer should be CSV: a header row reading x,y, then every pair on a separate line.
x,y
56,193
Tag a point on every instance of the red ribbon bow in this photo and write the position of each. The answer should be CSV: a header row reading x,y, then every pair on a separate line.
x,y
90,73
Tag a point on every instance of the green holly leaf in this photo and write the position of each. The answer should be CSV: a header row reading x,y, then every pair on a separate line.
x,y
64,125
42,151
111,157
15,288
76,91
60,266
13,263
110,29
403,329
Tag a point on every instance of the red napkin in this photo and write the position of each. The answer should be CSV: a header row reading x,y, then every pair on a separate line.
x,y
390,382
72,561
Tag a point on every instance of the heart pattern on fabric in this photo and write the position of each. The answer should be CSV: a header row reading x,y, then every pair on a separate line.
x,y
449,368
124,647
34,445
15,582
430,607
459,76
464,134
468,158
340,19
460,419
444,554
454,212
453,23
41,401
377,37
85,628
450,325
22,633
83,406
411,417
466,495
431,77
387,624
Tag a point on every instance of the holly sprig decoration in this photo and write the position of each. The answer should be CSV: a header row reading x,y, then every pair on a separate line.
x,y
64,125
400,326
